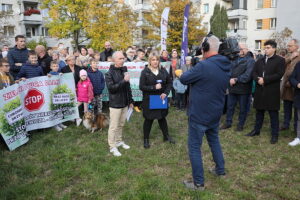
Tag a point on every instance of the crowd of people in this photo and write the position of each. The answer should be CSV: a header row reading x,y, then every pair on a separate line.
x,y
208,85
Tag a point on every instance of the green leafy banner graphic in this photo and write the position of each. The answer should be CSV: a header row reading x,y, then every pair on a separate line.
x,y
36,103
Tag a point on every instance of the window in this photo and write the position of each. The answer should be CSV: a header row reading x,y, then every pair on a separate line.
x,y
260,3
273,3
273,23
257,44
206,8
244,24
31,31
45,32
259,24
6,7
138,1
9,30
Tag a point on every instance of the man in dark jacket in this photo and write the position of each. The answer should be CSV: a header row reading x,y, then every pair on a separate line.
x,y
240,87
120,97
17,56
267,73
208,81
108,52
43,58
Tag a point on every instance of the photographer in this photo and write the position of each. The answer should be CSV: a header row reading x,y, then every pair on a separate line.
x,y
209,80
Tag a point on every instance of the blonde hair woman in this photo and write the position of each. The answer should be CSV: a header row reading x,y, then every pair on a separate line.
x,y
155,80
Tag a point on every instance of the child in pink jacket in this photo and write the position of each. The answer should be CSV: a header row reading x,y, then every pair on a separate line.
x,y
85,92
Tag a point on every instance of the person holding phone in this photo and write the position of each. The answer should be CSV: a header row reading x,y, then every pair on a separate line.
x,y
155,80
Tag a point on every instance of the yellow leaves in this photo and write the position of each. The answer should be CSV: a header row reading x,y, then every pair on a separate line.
x,y
175,23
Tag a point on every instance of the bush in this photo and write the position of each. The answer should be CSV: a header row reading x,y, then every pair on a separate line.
x,y
33,43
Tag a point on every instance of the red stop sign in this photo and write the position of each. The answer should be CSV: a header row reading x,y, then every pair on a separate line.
x,y
34,100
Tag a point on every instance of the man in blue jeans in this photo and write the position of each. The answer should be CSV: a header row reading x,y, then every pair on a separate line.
x,y
208,81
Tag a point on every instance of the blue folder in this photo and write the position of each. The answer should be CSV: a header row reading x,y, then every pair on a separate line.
x,y
157,103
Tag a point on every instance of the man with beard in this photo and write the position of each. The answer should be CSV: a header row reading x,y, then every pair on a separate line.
x,y
108,52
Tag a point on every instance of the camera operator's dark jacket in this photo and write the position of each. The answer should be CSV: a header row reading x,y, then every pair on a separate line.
x,y
119,90
208,81
242,69
267,96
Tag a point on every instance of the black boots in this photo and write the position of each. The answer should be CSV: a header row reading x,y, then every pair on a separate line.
x,y
253,133
146,144
169,139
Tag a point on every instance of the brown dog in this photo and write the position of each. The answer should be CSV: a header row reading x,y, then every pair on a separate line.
x,y
94,122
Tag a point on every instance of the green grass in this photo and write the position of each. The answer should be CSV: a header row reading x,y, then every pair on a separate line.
x,y
76,164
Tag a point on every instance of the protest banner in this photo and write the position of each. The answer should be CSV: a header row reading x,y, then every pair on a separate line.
x,y
134,69
36,103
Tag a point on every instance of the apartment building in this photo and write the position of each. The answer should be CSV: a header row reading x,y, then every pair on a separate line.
x,y
26,18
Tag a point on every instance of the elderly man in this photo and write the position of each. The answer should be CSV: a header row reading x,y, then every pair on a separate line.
x,y
240,87
108,51
43,58
287,91
267,73
208,80
120,97
4,51
17,56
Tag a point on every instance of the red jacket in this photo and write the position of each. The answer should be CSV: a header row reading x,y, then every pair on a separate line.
x,y
85,91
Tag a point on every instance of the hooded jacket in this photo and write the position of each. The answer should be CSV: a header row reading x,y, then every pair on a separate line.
x,y
85,91
208,82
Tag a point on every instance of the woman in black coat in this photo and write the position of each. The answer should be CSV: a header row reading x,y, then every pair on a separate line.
x,y
295,82
71,67
155,80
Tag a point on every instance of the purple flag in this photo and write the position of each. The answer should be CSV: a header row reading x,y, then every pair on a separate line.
x,y
184,44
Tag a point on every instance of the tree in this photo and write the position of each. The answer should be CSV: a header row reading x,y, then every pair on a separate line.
x,y
112,22
66,18
219,21
96,20
282,38
175,23
4,16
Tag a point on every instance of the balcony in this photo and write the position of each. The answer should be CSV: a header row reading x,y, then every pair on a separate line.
x,y
236,13
240,33
33,17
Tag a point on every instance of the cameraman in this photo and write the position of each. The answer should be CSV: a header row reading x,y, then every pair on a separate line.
x,y
208,80
240,87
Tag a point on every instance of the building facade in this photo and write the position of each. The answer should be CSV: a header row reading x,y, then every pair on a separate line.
x,y
24,17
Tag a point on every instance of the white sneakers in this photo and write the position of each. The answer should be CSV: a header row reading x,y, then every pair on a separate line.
x,y
57,128
122,144
78,121
115,150
62,126
295,142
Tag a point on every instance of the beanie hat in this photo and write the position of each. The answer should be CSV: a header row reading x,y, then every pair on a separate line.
x,y
82,73
178,72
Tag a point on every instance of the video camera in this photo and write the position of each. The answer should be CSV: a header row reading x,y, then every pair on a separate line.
x,y
229,47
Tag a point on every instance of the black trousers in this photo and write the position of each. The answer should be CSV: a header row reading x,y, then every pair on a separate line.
x,y
274,121
162,124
